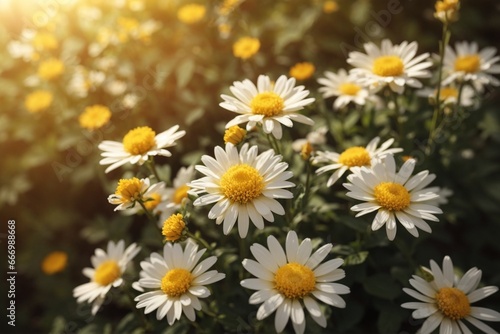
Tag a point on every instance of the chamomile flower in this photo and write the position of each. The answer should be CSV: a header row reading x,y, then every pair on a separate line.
x,y
355,156
446,300
286,282
137,146
393,65
130,191
467,63
345,88
395,196
177,280
152,198
244,186
313,138
267,104
107,273
177,194
449,95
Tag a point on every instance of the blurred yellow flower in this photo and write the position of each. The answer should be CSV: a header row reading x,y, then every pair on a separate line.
x,y
191,13
306,150
447,10
173,227
234,135
44,41
94,117
38,101
246,47
330,7
54,262
50,69
302,71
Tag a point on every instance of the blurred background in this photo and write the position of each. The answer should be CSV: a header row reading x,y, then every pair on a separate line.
x,y
151,65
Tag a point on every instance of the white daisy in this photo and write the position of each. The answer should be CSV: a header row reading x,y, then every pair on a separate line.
x,y
130,191
176,195
267,104
355,156
315,137
152,198
393,65
395,196
286,283
107,273
449,95
243,186
446,301
467,63
346,88
137,146
178,281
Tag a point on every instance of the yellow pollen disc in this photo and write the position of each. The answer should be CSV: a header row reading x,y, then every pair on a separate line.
x,y
447,93
349,89
355,156
173,227
152,201
180,193
468,64
268,104
139,140
392,196
107,272
294,280
54,262
241,183
388,66
234,135
129,189
453,303
176,282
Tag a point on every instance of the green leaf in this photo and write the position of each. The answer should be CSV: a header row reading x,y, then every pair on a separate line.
x,y
382,286
355,259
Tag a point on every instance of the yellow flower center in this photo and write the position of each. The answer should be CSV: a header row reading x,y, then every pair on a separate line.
x,y
129,189
302,71
44,41
355,156
107,272
392,196
180,193
388,66
173,227
241,183
94,117
50,69
54,262
448,92
305,151
294,280
468,64
268,104
38,101
152,201
191,13
139,140
453,303
349,89
246,47
176,282
442,6
234,135
330,7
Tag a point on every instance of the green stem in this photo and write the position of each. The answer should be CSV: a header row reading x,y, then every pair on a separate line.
x,y
150,216
305,199
152,167
271,142
437,109
276,144
198,238
396,115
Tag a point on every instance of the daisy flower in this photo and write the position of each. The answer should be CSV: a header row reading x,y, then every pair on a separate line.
x,y
152,198
137,146
449,95
345,88
267,104
393,65
244,186
285,283
107,273
176,195
355,156
395,196
467,63
446,301
130,191
178,281
313,138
